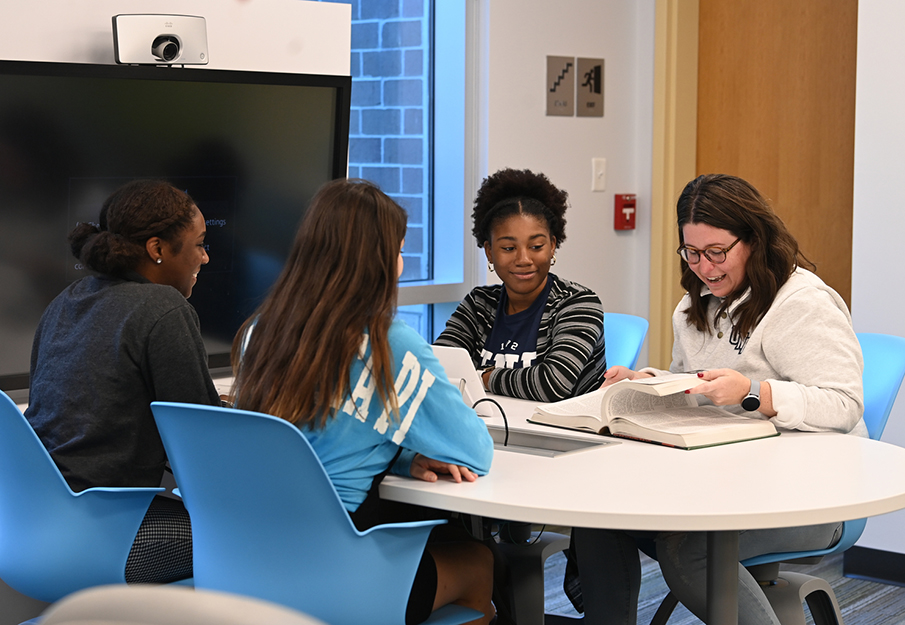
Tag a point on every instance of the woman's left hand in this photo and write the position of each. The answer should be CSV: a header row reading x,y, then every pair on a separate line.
x,y
427,469
722,386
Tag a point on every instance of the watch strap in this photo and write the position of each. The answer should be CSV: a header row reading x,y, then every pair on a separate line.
x,y
751,402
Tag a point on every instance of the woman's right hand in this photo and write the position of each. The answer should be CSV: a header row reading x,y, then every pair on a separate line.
x,y
429,470
618,373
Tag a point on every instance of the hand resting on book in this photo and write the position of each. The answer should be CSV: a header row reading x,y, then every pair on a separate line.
x,y
619,373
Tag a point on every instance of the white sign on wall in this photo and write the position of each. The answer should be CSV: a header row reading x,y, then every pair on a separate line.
x,y
574,86
561,85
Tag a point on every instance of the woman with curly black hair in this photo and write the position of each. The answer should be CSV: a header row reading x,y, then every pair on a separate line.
x,y
535,336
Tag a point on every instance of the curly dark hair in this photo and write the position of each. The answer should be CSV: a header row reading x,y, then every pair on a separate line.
x,y
519,191
134,213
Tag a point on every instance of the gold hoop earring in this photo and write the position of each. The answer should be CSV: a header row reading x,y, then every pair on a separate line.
x,y
489,266
553,260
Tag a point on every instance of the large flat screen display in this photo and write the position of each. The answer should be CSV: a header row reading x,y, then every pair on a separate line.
x,y
251,148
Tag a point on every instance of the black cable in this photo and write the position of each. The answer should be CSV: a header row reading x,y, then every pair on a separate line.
x,y
505,443
502,412
506,534
539,534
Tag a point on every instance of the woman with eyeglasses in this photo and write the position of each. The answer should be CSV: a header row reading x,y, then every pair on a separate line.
x,y
772,341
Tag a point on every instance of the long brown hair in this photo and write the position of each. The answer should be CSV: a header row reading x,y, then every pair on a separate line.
x,y
339,282
732,204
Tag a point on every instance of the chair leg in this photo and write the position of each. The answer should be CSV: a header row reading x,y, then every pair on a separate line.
x,y
665,610
824,609
787,597
790,592
526,574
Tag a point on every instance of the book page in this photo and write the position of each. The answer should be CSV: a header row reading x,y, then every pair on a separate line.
x,y
627,401
666,384
684,420
584,405
666,379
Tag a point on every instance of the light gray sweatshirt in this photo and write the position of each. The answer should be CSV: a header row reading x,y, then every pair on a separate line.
x,y
804,346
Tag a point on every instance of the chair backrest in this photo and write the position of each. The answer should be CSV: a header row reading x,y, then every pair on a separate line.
x,y
53,541
145,604
267,521
624,335
884,369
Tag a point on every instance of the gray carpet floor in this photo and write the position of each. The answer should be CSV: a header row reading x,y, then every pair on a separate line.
x,y
861,602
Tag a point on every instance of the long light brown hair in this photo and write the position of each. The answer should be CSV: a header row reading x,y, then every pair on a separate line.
x,y
732,204
339,282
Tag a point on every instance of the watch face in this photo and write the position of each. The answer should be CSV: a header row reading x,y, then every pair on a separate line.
x,y
751,403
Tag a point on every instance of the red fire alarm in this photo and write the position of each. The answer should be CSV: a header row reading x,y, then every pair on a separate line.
x,y
625,211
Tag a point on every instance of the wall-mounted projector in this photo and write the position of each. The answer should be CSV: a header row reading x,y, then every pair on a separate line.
x,y
160,40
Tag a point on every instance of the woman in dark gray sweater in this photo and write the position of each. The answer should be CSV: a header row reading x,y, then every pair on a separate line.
x,y
113,342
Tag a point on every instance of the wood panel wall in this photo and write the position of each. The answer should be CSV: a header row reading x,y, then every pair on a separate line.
x,y
776,106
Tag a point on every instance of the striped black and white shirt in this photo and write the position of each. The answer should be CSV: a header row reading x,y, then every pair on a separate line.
x,y
570,342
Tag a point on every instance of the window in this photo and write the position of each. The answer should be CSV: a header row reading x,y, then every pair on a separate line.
x,y
407,134
390,117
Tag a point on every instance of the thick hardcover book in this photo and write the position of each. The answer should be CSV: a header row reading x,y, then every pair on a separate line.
x,y
655,410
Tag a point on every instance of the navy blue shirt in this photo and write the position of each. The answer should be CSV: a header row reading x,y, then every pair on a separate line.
x,y
570,342
512,343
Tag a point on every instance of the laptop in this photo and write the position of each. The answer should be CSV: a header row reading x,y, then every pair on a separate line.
x,y
461,372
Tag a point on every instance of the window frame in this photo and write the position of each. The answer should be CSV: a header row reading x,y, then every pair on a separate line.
x,y
455,110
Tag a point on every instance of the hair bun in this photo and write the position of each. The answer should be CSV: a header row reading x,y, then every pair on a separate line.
x,y
81,235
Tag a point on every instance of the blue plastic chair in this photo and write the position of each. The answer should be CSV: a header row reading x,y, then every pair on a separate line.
x,y
268,523
884,370
624,335
53,541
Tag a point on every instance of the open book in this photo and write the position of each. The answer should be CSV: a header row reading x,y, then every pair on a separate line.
x,y
654,410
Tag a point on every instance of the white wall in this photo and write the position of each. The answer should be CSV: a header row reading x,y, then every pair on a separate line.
x,y
276,35
878,286
522,33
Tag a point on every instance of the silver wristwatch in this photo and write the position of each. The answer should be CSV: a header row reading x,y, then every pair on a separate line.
x,y
752,399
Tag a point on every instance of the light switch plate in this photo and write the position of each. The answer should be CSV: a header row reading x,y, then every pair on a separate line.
x,y
598,174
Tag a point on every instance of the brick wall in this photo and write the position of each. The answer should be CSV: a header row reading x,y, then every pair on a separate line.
x,y
388,141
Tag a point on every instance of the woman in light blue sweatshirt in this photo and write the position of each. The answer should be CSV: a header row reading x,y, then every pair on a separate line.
x,y
324,352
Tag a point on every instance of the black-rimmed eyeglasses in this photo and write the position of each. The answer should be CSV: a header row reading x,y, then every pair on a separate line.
x,y
716,255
